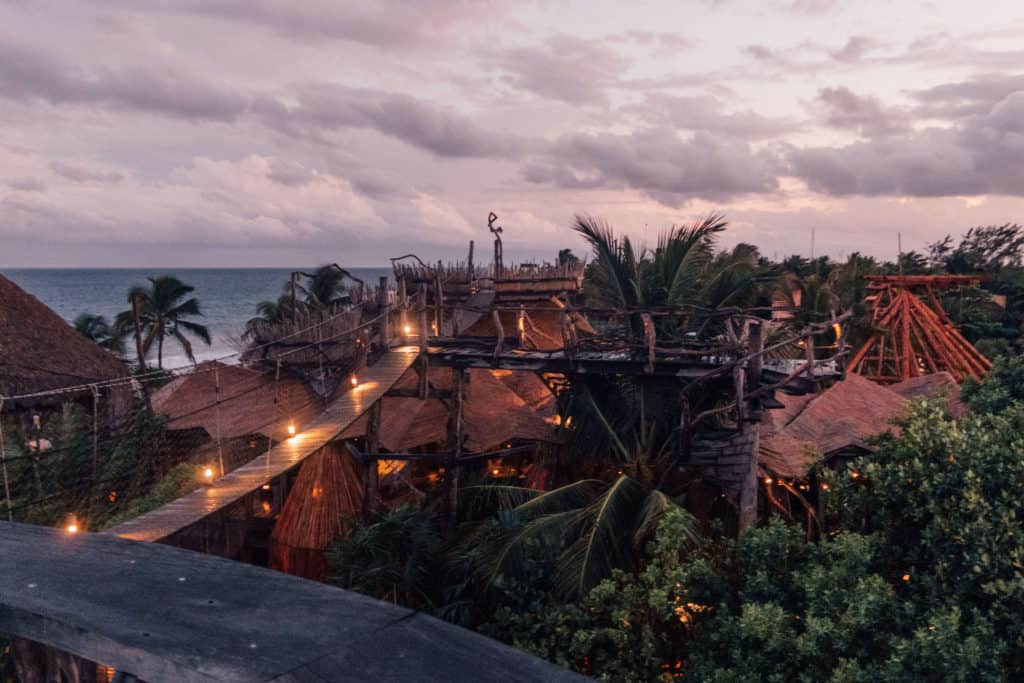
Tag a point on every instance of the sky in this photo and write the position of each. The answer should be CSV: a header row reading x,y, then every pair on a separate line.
x,y
278,133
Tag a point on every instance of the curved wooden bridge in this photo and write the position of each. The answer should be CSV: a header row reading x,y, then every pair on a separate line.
x,y
194,507
161,613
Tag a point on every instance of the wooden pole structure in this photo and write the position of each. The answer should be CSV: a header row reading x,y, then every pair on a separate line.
x,y
382,299
421,297
454,447
521,326
3,464
500,329
371,486
472,272
747,517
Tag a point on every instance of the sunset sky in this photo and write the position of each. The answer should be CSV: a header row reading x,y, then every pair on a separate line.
x,y
258,132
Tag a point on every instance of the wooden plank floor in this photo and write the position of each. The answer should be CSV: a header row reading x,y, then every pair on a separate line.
x,y
187,510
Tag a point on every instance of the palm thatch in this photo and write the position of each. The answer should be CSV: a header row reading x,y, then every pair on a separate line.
x,y
542,327
40,352
250,402
326,496
493,415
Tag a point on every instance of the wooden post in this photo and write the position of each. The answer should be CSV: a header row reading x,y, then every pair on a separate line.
x,y
649,340
438,304
521,326
382,298
454,448
371,485
809,345
421,296
469,266
756,348
500,346
747,517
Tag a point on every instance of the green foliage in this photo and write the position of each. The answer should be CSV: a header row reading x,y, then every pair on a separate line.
x,y
396,557
100,331
179,480
1003,387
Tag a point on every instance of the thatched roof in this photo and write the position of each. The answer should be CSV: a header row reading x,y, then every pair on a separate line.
x,y
843,417
247,404
543,327
929,386
327,492
39,351
493,414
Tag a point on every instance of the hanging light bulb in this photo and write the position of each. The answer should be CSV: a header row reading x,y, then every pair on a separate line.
x,y
208,474
407,330
71,528
768,481
291,429
354,381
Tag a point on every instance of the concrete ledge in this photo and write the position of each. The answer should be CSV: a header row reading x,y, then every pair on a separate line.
x,y
167,614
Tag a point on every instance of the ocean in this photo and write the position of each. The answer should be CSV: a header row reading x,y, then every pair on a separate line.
x,y
227,296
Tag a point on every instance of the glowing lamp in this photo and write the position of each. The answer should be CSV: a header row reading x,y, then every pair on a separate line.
x,y
208,474
824,487
495,471
407,330
266,487
768,481
354,381
854,475
291,429
71,528
906,577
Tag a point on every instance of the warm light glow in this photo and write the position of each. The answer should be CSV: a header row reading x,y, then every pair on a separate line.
x,y
72,527
768,481
906,577
495,471
354,381
208,473
824,487
291,429
854,475
837,328
266,506
266,487
407,330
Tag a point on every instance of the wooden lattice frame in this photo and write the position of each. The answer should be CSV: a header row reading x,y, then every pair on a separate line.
x,y
912,334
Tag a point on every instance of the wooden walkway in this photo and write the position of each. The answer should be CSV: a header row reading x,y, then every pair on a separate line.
x,y
375,380
166,614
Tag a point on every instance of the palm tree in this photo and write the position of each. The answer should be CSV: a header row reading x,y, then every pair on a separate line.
x,y
271,311
162,314
594,525
325,287
96,328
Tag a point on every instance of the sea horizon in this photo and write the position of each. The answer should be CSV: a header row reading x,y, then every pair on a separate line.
x,y
227,296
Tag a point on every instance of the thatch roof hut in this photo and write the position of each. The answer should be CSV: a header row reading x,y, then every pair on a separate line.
x,y
839,422
542,326
251,402
493,414
40,352
326,494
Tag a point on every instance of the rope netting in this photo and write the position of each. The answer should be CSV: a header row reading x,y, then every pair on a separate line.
x,y
91,455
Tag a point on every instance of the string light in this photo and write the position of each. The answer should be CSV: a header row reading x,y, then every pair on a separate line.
x,y
768,481
208,474
495,471
266,487
354,381
824,487
71,528
906,577
854,475
407,330
291,429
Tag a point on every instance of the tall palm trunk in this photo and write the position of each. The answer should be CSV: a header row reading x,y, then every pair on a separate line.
x,y
160,352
